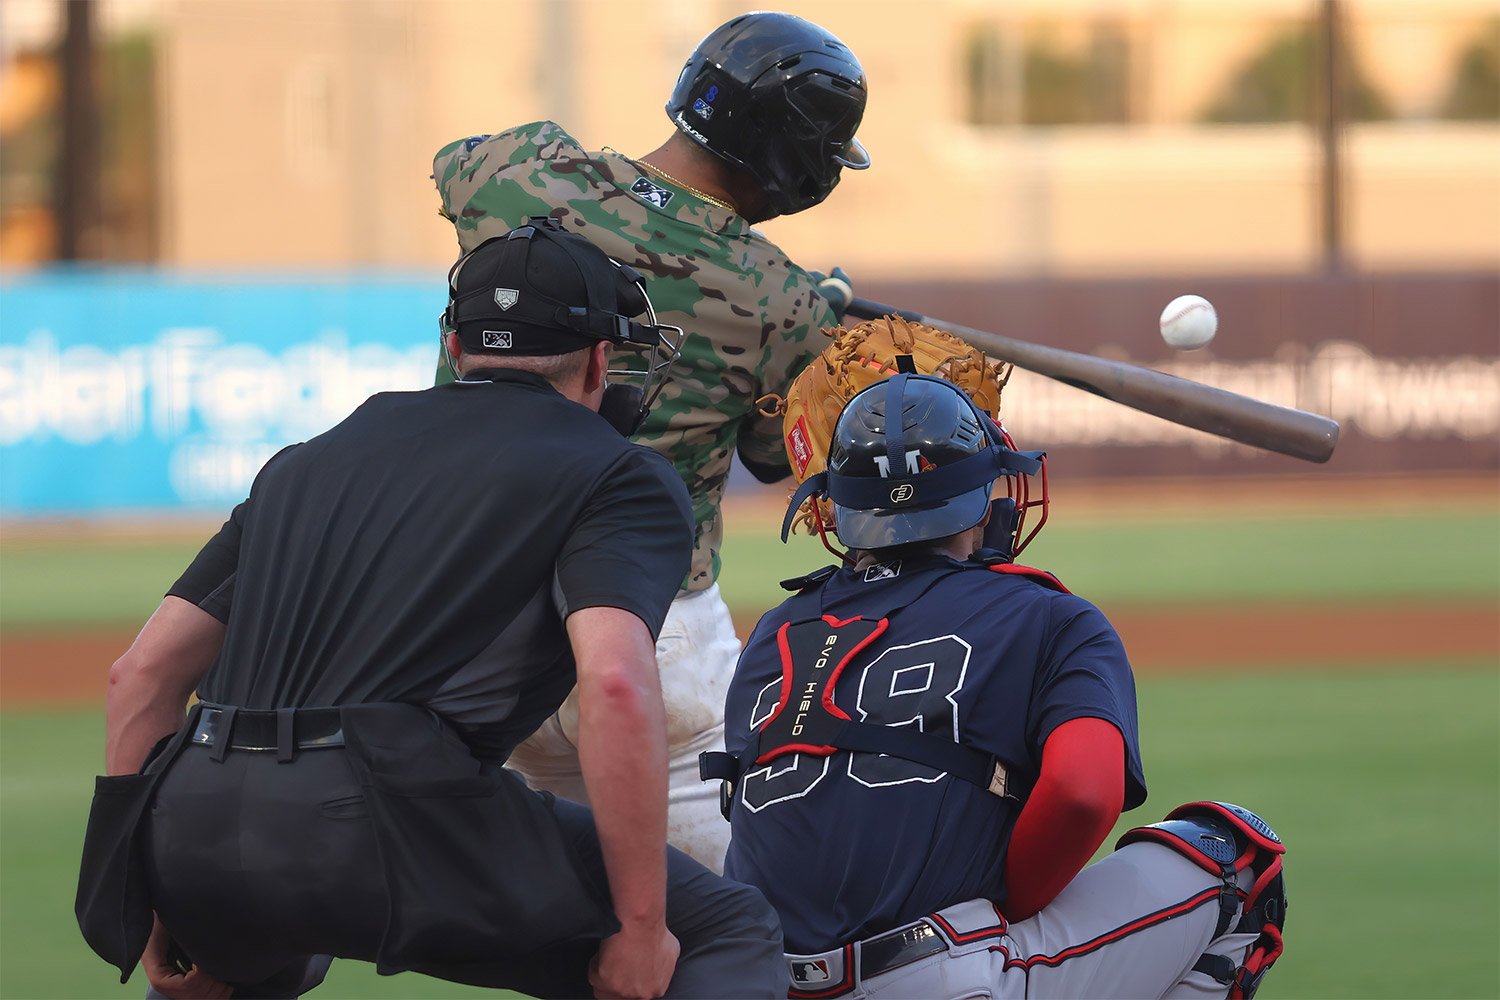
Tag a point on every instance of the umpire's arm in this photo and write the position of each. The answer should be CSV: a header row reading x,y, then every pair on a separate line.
x,y
622,748
150,684
616,577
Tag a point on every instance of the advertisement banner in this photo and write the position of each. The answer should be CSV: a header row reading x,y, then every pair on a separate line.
x,y
127,391
131,390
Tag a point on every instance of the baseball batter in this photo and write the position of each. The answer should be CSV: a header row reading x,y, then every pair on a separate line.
x,y
765,111
927,745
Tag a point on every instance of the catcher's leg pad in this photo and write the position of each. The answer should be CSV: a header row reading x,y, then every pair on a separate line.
x,y
1225,839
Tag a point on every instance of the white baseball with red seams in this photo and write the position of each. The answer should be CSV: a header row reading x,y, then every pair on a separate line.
x,y
1189,322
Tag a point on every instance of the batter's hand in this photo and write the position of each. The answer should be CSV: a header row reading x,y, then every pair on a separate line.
x,y
836,290
168,979
635,964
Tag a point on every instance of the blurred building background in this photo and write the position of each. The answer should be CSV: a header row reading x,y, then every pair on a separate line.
x,y
1327,171
1079,137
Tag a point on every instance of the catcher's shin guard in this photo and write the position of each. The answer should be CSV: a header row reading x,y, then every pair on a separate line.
x,y
1225,839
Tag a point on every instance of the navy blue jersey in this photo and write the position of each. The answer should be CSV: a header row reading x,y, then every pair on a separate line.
x,y
848,845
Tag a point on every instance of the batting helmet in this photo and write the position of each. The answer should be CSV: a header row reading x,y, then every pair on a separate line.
x,y
779,98
921,476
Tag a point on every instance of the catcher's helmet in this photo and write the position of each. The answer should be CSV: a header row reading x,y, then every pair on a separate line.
x,y
540,290
779,98
912,460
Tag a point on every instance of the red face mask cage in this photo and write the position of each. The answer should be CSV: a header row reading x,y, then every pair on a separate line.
x,y
1018,489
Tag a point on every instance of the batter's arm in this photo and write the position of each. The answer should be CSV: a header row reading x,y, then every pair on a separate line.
x,y
1075,803
149,685
767,463
622,748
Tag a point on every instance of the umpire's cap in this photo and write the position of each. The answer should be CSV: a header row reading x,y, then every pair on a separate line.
x,y
924,476
540,289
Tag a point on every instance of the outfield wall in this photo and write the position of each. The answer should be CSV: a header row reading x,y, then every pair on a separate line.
x,y
127,391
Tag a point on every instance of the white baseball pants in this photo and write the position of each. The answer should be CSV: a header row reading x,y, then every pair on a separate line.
x,y
696,654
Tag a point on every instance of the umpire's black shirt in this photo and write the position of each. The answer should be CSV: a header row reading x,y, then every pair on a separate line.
x,y
428,548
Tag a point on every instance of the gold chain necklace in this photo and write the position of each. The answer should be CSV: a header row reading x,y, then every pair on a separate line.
x,y
659,172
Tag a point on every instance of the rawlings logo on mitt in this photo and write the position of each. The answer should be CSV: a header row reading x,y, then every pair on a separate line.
x,y
857,358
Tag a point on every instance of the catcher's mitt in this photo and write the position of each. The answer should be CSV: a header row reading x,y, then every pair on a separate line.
x,y
859,357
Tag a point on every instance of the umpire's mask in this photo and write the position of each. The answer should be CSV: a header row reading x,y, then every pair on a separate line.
x,y
541,290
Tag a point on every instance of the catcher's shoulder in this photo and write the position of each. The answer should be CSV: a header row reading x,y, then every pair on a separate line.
x,y
999,568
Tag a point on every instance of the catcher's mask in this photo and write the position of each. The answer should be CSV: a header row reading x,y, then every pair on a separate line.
x,y
541,290
779,98
926,475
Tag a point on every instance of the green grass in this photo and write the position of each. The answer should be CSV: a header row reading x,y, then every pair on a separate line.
x,y
1385,786
1344,558
91,582
95,583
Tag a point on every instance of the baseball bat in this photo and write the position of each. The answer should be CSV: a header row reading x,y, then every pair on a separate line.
x,y
1298,433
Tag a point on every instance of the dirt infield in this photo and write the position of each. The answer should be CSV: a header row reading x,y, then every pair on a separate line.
x,y
46,668
69,666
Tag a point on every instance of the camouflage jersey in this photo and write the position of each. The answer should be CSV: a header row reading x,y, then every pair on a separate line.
x,y
748,311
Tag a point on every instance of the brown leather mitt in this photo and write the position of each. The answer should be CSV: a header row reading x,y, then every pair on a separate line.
x,y
858,357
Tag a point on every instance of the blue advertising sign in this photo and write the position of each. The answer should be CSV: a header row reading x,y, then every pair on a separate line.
x,y
133,390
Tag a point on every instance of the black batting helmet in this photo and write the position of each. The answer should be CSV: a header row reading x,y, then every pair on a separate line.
x,y
779,98
913,460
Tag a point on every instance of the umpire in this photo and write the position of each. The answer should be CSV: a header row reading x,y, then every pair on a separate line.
x,y
416,590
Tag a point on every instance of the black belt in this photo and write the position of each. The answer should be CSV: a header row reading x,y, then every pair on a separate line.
x,y
284,730
828,974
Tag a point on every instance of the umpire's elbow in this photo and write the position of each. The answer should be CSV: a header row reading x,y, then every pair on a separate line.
x,y
621,686
127,671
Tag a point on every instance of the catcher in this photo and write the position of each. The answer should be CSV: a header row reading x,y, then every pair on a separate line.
x,y
868,353
959,730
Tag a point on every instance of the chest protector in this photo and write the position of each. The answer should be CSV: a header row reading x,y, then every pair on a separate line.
x,y
815,649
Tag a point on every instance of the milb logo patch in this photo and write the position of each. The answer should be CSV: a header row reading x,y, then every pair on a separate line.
x,y
653,193
497,340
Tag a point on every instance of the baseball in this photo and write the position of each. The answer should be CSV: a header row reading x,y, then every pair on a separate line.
x,y
1189,322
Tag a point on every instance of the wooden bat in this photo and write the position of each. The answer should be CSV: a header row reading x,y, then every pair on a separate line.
x,y
1297,433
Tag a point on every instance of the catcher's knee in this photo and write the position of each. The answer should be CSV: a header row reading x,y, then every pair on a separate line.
x,y
1225,840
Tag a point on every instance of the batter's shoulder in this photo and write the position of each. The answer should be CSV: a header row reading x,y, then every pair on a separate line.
x,y
463,166
539,140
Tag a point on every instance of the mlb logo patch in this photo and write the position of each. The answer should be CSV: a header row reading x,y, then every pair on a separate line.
x,y
497,340
798,445
809,973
